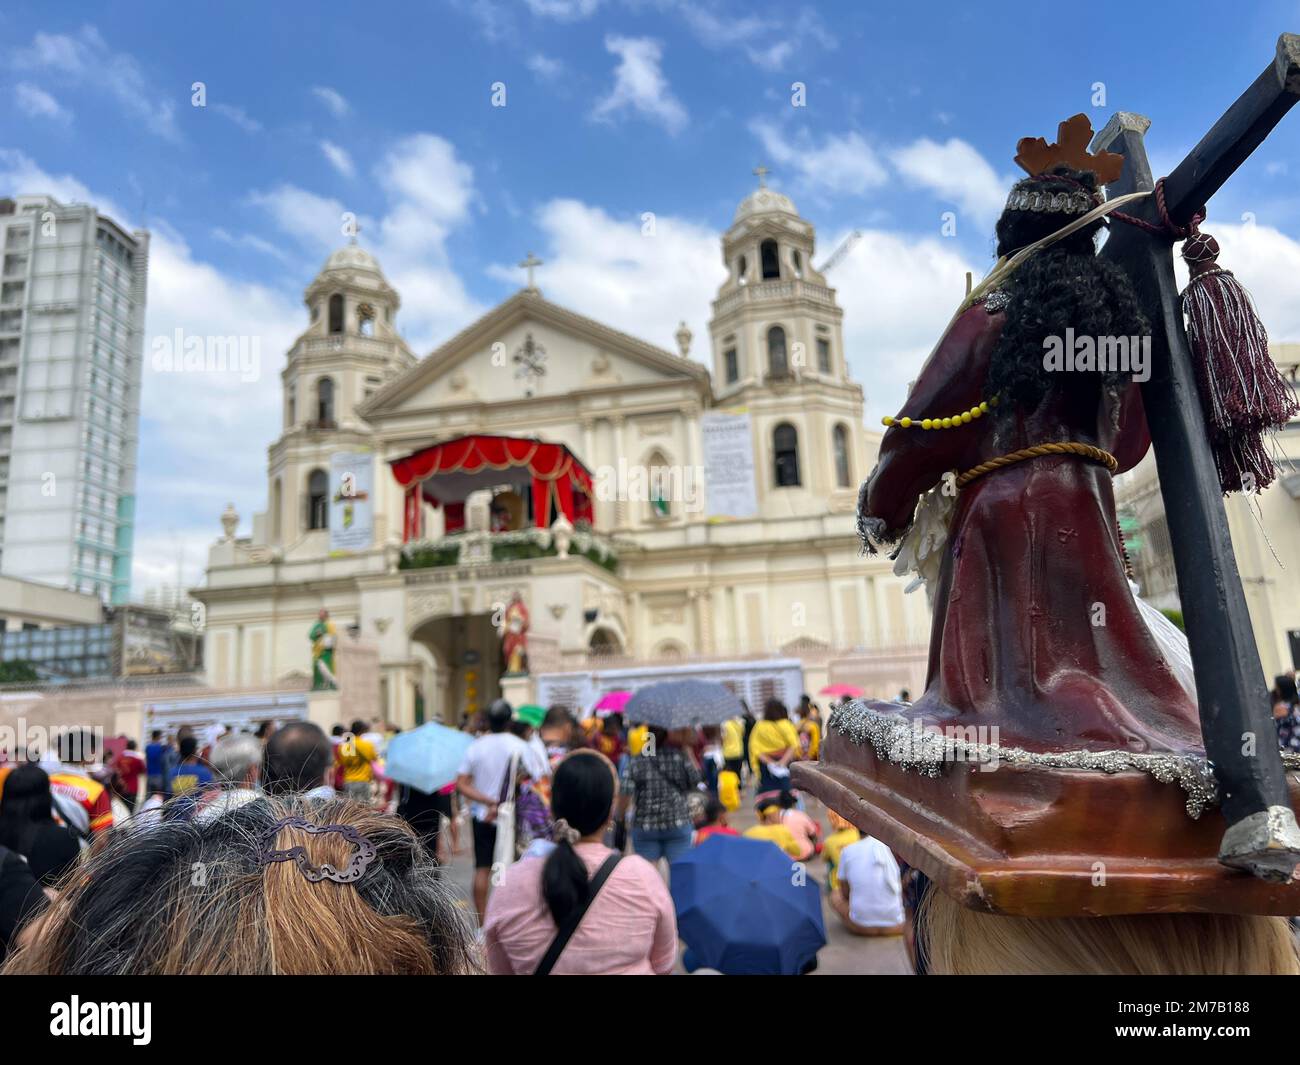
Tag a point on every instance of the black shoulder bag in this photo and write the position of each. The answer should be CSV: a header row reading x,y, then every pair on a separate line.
x,y
570,926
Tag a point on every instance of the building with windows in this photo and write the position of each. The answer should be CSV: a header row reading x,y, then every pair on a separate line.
x,y
72,302
627,504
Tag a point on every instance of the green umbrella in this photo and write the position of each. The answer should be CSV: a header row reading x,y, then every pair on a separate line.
x,y
532,714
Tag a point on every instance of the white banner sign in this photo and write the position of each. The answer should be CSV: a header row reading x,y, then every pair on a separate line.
x,y
352,502
730,490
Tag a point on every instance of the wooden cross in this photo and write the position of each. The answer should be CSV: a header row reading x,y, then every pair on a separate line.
x,y
761,172
529,264
1236,719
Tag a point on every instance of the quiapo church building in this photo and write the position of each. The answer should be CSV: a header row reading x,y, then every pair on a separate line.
x,y
622,508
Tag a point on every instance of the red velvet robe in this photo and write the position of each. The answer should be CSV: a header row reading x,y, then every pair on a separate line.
x,y
1032,549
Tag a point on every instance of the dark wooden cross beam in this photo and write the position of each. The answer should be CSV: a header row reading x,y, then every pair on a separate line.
x,y
1236,720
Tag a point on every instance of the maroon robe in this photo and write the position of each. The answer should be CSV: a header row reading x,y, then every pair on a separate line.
x,y
1032,550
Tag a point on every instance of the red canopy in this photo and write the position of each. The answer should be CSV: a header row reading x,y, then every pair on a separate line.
x,y
445,474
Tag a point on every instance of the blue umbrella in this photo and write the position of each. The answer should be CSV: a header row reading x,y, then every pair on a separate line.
x,y
674,704
741,908
427,758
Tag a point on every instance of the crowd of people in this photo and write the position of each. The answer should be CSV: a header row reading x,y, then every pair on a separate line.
x,y
309,858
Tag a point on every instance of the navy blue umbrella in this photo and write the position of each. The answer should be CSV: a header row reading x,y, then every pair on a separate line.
x,y
744,907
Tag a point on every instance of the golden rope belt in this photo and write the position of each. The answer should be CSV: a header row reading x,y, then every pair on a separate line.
x,y
1087,451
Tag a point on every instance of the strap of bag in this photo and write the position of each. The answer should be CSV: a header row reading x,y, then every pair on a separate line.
x,y
570,926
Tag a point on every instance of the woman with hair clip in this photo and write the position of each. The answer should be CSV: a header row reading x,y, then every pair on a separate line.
x,y
583,908
280,886
1093,848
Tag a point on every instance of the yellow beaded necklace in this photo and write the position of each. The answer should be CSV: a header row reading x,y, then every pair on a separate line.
x,y
964,418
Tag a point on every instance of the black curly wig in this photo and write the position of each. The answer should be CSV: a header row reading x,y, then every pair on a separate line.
x,y
1063,286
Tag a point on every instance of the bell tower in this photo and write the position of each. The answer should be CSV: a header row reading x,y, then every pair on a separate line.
x,y
778,350
349,349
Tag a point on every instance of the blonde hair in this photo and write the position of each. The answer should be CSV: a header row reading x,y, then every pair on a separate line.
x,y
962,942
183,897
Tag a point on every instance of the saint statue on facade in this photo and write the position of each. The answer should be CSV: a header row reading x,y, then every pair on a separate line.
x,y
514,636
323,638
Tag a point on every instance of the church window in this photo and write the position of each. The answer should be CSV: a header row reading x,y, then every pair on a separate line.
x,y
796,262
293,407
325,403
318,510
777,363
277,504
742,267
840,445
366,320
771,263
336,313
785,447
731,366
823,355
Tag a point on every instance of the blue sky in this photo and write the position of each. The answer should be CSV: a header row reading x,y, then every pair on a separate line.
x,y
613,108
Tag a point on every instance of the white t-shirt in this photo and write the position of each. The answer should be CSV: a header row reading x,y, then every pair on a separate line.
x,y
875,884
539,766
487,761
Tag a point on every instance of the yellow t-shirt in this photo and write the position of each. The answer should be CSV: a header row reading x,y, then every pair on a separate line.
x,y
729,790
835,843
771,737
636,739
814,731
733,739
778,834
355,756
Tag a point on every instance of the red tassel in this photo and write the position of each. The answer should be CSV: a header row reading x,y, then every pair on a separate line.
x,y
1242,393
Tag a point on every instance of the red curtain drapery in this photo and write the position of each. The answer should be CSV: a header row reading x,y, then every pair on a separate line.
x,y
456,467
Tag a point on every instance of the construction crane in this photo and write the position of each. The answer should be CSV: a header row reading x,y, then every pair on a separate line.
x,y
845,246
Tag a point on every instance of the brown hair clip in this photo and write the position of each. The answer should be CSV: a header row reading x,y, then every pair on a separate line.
x,y
361,858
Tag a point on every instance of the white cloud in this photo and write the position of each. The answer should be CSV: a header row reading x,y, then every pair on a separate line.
x,y
546,68
607,269
86,59
1266,262
37,103
564,10
239,117
338,158
843,164
768,41
956,172
332,99
639,84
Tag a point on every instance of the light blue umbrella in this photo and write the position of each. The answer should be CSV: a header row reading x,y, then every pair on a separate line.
x,y
674,704
427,758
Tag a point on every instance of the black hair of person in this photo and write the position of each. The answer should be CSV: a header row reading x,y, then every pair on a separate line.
x,y
24,805
582,793
189,747
1065,286
295,758
499,716
774,710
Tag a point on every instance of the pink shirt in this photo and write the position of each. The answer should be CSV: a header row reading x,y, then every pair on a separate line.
x,y
629,929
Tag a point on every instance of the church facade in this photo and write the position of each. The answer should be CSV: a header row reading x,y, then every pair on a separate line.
x,y
708,516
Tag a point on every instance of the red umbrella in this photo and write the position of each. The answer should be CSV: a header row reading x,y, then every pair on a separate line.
x,y
842,689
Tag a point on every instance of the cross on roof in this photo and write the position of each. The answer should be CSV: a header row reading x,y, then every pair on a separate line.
x,y
530,264
762,172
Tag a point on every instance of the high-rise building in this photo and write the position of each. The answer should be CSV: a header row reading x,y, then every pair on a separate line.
x,y
72,301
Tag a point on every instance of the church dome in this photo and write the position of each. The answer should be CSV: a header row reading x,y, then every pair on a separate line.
x,y
764,201
352,257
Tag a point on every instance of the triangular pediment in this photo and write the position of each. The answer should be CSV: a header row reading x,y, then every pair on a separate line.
x,y
487,363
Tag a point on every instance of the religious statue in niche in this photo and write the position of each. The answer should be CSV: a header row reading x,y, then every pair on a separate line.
x,y
513,630
323,638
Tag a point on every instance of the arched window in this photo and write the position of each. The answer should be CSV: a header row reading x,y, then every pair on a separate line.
x,y
318,506
777,363
277,506
742,267
840,445
336,313
767,252
325,402
291,415
731,366
366,320
797,262
785,449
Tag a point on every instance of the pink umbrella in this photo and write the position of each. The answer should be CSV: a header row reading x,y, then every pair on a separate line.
x,y
611,703
842,689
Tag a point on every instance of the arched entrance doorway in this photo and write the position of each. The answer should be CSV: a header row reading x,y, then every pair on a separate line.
x,y
465,677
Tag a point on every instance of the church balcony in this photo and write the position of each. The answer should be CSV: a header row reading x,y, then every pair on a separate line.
x,y
773,292
479,548
355,343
